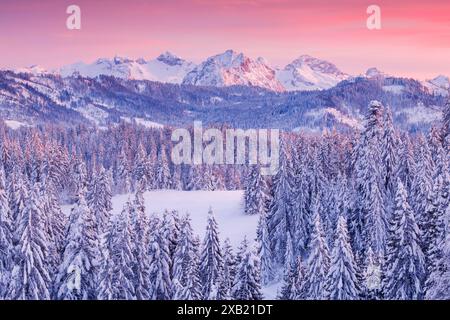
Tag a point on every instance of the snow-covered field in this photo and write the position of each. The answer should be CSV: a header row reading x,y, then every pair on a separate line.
x,y
227,207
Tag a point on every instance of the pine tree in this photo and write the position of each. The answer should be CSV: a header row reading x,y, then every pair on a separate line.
x,y
18,193
422,198
406,167
298,292
123,173
446,126
211,261
287,291
342,282
160,265
264,251
117,277
185,267
30,278
389,155
371,277
6,236
255,196
162,174
318,262
99,199
368,223
405,265
246,285
77,274
140,242
141,167
440,277
229,270
281,215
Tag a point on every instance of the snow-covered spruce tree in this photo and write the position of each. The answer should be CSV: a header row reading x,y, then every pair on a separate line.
x,y
185,267
298,292
229,269
6,236
435,234
255,196
18,193
371,288
342,281
406,166
77,274
123,182
302,205
140,241
247,286
446,126
289,271
140,166
281,215
318,262
368,223
389,144
162,171
439,282
293,282
30,278
422,196
160,265
432,229
404,268
117,277
99,199
55,223
211,261
264,251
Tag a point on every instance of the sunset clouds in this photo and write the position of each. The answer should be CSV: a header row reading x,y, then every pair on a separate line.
x,y
414,40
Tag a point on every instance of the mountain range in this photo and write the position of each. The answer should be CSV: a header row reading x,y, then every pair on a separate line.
x,y
229,68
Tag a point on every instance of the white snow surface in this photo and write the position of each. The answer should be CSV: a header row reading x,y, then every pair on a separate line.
x,y
396,89
308,73
166,68
13,124
421,114
144,122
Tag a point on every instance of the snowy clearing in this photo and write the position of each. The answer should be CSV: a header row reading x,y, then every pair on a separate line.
x,y
13,124
227,207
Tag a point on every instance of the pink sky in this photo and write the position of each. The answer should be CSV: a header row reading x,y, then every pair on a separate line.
x,y
414,40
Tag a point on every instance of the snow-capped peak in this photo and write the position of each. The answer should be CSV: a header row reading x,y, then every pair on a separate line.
x,y
375,73
170,59
34,69
233,68
439,85
166,68
309,73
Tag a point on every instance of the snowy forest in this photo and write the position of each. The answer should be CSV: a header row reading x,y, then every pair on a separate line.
x,y
349,216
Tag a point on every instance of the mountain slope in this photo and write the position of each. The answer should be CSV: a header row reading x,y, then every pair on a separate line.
x,y
167,68
50,99
231,68
309,73
439,85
